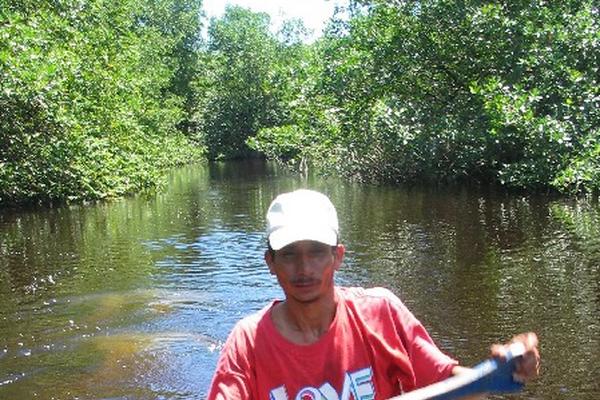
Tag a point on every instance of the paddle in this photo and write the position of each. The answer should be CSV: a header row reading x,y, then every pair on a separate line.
x,y
490,376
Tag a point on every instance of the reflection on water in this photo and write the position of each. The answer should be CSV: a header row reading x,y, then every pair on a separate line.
x,y
133,298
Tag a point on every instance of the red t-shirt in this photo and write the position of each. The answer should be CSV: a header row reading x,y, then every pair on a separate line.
x,y
374,349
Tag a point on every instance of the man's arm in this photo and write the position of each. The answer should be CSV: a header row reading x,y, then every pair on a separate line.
x,y
527,367
229,386
233,378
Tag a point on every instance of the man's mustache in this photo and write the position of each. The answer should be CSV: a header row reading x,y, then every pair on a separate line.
x,y
304,280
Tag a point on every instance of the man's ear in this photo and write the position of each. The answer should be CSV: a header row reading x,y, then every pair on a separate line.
x,y
269,259
339,250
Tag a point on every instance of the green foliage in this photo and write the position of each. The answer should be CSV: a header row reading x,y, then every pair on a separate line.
x,y
583,170
543,111
446,91
312,128
98,97
87,106
245,80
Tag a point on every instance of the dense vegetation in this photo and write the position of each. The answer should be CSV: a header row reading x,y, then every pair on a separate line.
x,y
502,92
99,97
91,103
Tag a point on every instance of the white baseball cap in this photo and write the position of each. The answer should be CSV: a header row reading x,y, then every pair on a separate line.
x,y
301,215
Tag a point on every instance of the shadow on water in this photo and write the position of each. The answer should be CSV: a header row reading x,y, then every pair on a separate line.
x,y
133,298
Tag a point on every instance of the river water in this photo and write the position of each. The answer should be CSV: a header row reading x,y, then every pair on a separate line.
x,y
133,298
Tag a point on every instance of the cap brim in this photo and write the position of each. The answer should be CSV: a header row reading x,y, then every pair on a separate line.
x,y
285,236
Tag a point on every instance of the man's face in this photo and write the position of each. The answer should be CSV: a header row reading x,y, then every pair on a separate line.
x,y
305,269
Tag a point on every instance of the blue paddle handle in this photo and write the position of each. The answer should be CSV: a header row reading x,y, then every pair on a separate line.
x,y
491,376
496,376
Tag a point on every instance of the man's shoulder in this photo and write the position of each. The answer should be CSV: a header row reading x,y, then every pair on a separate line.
x,y
248,325
376,307
367,296
358,292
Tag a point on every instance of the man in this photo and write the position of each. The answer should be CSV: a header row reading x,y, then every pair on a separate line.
x,y
328,342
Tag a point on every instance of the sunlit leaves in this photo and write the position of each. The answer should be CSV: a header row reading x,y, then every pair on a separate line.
x,y
87,105
503,92
247,78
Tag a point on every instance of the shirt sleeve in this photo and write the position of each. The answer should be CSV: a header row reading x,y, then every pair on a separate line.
x,y
429,363
233,378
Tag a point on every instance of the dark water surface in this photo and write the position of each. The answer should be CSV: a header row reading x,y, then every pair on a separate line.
x,y
132,299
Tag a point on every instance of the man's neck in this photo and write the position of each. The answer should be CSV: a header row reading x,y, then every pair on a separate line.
x,y
304,323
